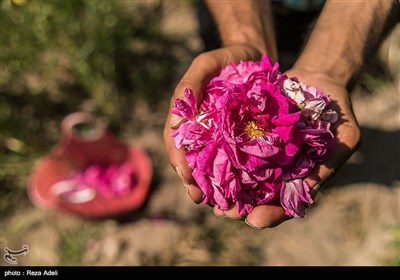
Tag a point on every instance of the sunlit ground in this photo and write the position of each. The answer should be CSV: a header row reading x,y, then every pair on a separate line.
x,y
120,60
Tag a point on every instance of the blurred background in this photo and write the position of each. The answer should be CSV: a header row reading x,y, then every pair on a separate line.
x,y
121,60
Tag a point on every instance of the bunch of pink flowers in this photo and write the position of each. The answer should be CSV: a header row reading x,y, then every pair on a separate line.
x,y
107,181
256,135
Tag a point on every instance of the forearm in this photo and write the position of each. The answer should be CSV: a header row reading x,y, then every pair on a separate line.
x,y
345,35
245,22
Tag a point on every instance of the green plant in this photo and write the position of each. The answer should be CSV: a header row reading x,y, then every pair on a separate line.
x,y
57,57
396,244
73,244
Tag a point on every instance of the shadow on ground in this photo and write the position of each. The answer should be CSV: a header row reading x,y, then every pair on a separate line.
x,y
376,161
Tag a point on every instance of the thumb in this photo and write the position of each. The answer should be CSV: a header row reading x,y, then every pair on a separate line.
x,y
196,77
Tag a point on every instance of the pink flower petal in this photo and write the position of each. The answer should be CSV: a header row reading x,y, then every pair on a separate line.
x,y
182,109
294,197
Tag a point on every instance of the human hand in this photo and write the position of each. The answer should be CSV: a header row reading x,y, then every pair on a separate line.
x,y
330,67
203,68
347,138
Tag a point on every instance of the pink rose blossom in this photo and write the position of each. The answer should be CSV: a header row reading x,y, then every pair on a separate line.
x,y
254,137
294,194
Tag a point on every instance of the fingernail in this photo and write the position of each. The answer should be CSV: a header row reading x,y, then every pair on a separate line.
x,y
188,191
173,167
221,214
176,121
189,188
316,188
332,172
253,226
185,181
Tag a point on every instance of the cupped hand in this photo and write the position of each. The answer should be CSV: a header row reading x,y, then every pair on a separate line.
x,y
346,131
347,140
202,69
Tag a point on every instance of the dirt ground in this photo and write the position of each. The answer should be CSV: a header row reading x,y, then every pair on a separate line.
x,y
353,221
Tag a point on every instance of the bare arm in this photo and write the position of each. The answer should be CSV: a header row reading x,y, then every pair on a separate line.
x,y
247,32
245,22
346,33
